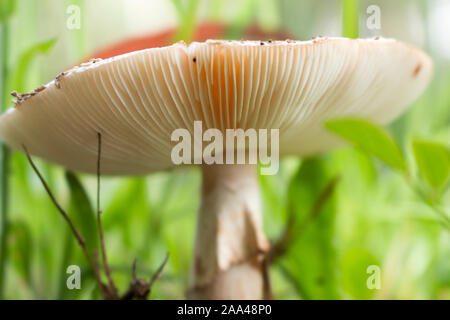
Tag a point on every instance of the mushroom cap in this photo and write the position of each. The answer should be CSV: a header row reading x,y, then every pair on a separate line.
x,y
137,100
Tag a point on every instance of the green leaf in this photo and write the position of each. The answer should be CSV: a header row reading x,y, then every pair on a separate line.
x,y
312,257
7,8
23,66
81,212
20,244
354,274
433,160
370,138
62,292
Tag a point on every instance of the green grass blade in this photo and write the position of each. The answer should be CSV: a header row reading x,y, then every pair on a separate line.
x,y
82,212
18,82
4,165
26,60
187,15
4,215
350,18
20,241
62,292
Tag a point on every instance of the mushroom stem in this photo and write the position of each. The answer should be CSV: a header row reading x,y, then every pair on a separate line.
x,y
230,242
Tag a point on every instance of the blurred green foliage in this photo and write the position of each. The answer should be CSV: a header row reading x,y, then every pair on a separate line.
x,y
7,8
433,160
375,216
82,214
315,239
350,19
23,66
187,12
369,138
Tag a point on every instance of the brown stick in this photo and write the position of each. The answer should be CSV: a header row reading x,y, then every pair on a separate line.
x,y
292,229
140,289
267,286
55,202
74,230
158,272
111,283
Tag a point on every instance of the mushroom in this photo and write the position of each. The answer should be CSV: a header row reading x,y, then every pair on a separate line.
x,y
137,100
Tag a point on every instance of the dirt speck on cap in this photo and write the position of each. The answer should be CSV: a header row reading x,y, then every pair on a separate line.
x,y
318,39
91,62
40,89
58,79
417,70
21,97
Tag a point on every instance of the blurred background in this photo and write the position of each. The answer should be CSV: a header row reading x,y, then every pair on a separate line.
x,y
372,219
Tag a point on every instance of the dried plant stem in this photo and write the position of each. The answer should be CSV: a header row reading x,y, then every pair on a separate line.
x,y
139,289
267,286
158,272
292,230
77,234
99,222
74,230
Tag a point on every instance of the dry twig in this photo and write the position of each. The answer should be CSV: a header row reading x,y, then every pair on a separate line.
x,y
293,229
267,287
139,289
112,289
74,230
